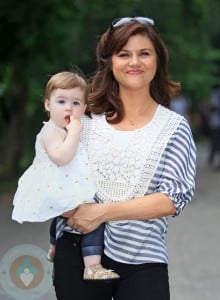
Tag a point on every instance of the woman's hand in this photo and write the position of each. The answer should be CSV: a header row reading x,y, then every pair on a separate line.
x,y
69,213
87,217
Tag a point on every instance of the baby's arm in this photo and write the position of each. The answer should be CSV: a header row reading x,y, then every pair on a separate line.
x,y
60,148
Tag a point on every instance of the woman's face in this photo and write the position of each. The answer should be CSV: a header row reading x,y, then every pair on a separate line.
x,y
134,67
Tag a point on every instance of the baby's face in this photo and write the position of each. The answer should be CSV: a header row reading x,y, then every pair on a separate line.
x,y
64,103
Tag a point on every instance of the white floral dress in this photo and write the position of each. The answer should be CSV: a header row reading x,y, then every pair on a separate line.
x,y
46,190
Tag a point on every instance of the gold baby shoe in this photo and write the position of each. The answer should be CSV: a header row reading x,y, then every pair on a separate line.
x,y
97,272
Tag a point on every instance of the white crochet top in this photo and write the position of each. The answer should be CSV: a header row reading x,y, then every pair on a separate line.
x,y
124,162
159,157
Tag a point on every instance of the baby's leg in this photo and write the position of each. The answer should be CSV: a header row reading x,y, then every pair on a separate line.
x,y
92,248
51,250
91,260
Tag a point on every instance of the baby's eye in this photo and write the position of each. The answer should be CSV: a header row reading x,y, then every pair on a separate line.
x,y
61,101
75,103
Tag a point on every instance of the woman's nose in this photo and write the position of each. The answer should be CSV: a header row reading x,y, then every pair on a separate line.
x,y
134,60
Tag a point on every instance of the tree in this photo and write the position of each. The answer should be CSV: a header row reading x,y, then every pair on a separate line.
x,y
39,38
31,31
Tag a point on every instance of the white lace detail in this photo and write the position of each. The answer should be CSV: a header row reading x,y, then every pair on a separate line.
x,y
124,162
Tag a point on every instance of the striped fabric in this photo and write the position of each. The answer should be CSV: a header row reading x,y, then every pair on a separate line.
x,y
137,242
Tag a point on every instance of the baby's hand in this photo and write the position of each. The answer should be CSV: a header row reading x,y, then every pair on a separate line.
x,y
74,125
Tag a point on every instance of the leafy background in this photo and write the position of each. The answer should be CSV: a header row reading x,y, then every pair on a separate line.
x,y
39,38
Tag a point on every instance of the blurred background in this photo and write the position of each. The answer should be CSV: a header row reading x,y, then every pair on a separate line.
x,y
39,38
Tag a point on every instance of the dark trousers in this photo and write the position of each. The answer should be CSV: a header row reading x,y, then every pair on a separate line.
x,y
137,282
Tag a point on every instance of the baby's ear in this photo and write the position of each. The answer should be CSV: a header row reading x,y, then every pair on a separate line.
x,y
47,104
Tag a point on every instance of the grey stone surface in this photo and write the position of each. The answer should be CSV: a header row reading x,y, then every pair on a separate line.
x,y
193,239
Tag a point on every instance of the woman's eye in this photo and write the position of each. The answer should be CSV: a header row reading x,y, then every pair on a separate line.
x,y
123,55
145,53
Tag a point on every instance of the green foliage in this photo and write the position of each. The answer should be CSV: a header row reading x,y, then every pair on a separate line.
x,y
8,186
39,38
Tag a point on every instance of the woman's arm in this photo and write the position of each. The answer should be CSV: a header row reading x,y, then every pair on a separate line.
x,y
89,216
172,193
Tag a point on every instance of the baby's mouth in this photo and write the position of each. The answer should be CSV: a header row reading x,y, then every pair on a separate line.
x,y
67,118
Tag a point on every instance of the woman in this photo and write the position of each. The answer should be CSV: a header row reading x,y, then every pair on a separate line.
x,y
142,157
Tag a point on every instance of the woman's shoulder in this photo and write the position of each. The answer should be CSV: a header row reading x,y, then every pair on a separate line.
x,y
172,114
174,117
181,126
90,125
183,134
92,117
87,121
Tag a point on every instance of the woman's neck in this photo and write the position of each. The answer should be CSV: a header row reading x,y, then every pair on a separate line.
x,y
139,108
134,96
136,102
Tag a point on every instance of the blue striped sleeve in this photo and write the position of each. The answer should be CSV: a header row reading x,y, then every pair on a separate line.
x,y
178,167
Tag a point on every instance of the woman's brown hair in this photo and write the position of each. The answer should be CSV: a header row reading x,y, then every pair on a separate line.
x,y
103,88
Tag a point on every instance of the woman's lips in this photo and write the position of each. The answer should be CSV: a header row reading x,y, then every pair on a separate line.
x,y
135,72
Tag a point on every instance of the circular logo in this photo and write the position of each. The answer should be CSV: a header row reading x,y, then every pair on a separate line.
x,y
25,272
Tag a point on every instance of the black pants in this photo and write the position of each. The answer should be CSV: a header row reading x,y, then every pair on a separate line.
x,y
137,282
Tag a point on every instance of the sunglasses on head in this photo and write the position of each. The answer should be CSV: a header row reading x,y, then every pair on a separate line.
x,y
142,20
